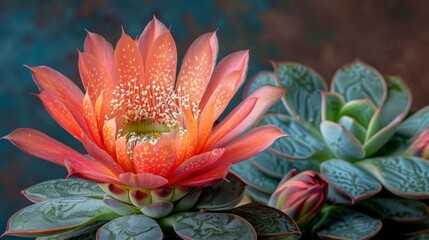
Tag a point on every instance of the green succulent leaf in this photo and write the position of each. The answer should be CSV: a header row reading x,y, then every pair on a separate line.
x,y
276,166
302,143
361,110
349,179
254,178
213,226
59,188
267,221
257,195
332,103
224,195
75,233
403,210
413,125
421,237
359,81
398,100
353,127
343,223
404,176
335,197
303,97
188,201
158,209
56,215
137,226
260,79
119,207
341,142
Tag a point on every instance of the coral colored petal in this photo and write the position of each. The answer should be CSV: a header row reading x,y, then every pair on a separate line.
x,y
63,88
251,144
222,83
109,136
95,77
91,120
205,126
267,95
161,61
128,62
189,140
207,178
231,121
91,170
158,159
152,31
102,50
59,112
197,67
143,180
196,164
122,155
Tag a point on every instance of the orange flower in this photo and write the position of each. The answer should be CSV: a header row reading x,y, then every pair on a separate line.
x,y
140,126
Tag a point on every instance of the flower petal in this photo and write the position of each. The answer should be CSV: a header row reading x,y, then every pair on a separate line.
x,y
227,78
102,50
197,67
142,180
91,120
122,155
128,63
196,164
91,170
152,31
63,88
161,61
109,136
207,178
251,144
158,159
267,95
189,140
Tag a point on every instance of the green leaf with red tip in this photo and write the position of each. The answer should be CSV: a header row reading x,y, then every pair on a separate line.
x,y
76,233
260,79
119,207
332,103
343,223
359,81
188,201
379,139
255,178
223,195
303,142
276,166
303,97
361,110
59,188
353,127
136,226
56,215
268,222
403,176
402,210
213,226
350,180
158,209
341,142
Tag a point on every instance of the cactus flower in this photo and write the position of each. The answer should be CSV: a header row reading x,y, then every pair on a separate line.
x,y
301,196
147,132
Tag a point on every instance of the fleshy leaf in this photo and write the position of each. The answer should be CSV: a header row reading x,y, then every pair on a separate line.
x,y
341,142
119,207
414,124
213,226
136,226
402,210
224,195
255,178
59,188
303,97
76,233
335,197
258,80
361,110
257,195
188,201
302,141
353,127
268,222
343,223
276,166
331,106
57,215
359,81
403,176
158,209
349,179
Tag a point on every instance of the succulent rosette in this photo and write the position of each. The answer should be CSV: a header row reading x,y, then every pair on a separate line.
x,y
154,150
359,135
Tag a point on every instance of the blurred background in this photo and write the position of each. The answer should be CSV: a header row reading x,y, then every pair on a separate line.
x,y
391,35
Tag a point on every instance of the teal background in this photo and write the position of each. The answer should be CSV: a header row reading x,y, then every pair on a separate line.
x,y
391,35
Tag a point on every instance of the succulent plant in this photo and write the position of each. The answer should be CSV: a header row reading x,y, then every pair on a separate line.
x,y
362,139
